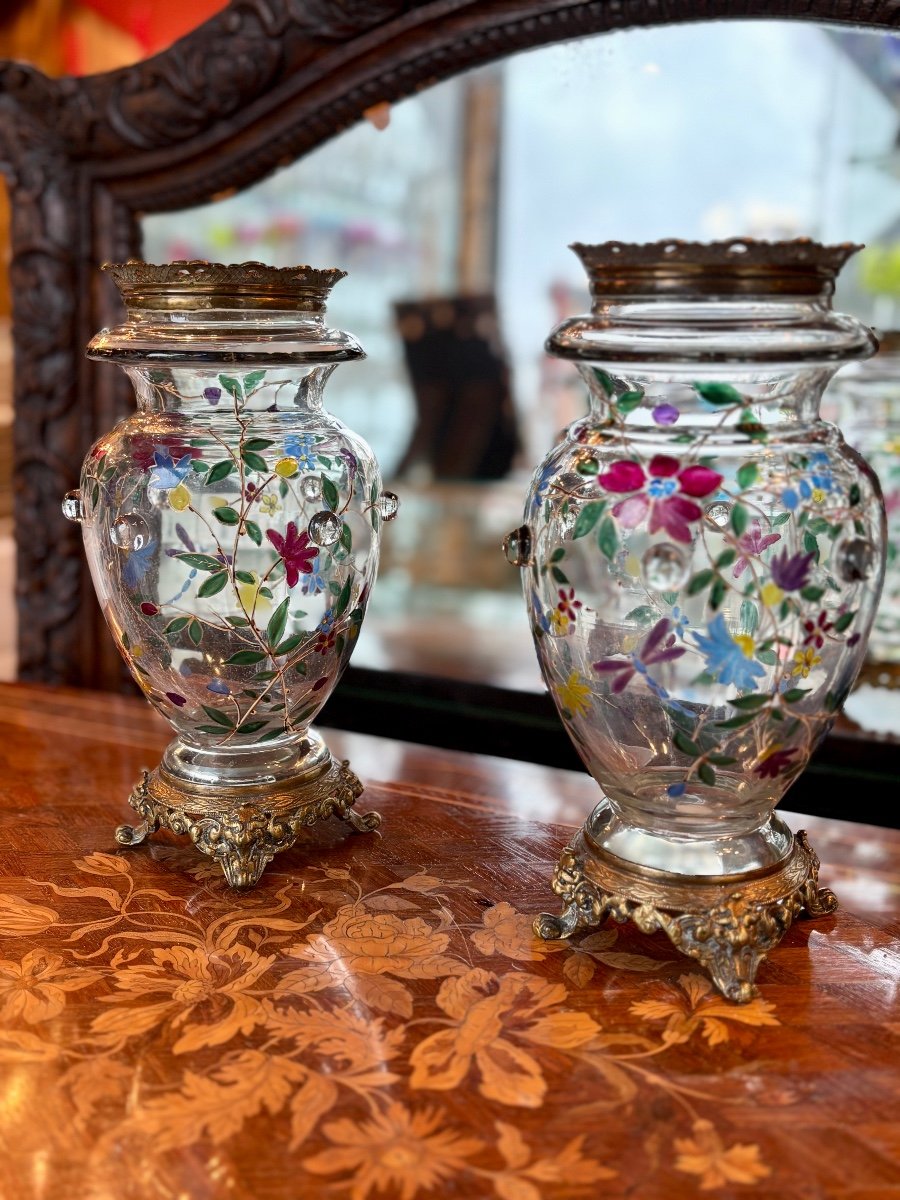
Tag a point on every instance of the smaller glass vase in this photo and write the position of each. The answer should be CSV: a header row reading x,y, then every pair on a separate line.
x,y
232,529
866,400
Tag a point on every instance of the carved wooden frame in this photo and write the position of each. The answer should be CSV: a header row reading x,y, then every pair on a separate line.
x,y
252,89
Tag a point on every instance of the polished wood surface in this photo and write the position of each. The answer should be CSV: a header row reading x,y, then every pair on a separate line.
x,y
377,1020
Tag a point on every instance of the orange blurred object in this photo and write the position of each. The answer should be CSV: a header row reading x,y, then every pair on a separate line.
x,y
100,35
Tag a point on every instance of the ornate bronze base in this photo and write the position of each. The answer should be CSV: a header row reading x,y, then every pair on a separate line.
x,y
244,829
727,922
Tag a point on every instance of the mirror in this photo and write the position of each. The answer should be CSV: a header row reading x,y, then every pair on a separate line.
x,y
452,210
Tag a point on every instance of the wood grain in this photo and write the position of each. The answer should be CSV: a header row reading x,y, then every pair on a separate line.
x,y
377,1020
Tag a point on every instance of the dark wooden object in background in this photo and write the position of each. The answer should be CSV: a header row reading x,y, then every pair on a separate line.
x,y
378,1015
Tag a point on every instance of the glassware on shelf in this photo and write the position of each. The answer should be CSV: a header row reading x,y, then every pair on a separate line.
x,y
232,528
701,559
866,397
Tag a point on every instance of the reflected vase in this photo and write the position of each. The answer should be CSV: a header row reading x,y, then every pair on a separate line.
x,y
866,397
701,560
232,529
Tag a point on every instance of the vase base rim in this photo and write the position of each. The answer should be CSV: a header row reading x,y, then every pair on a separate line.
x,y
244,827
727,922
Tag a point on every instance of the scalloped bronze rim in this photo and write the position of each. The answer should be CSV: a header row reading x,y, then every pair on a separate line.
x,y
736,266
196,284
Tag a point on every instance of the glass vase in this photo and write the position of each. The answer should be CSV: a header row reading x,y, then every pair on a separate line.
x,y
701,560
866,397
232,529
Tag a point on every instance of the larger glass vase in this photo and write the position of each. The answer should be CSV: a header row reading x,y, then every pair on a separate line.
x,y
701,559
232,529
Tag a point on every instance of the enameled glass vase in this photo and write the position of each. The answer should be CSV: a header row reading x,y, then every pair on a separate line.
x,y
701,559
232,529
867,397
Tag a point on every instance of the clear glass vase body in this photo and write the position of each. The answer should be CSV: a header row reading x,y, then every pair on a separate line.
x,y
232,530
867,399
701,561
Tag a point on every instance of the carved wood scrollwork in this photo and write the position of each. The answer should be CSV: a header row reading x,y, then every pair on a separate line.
x,y
251,89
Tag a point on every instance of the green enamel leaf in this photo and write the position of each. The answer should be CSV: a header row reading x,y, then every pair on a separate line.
x,y
810,544
844,621
749,617
699,581
273,733
203,562
195,632
749,703
216,714
608,537
213,585
237,622
253,531
587,466
211,729
722,760
346,537
289,644
219,471
629,401
643,615
258,444
199,466
719,393
254,378
794,694
725,559
245,658
343,599
226,515
277,622
254,462
588,518
605,381
245,576
853,496
685,744
330,493
717,594
781,519
232,386
707,774
736,722
812,594
768,657
558,575
558,554
252,726
176,626
747,475
739,519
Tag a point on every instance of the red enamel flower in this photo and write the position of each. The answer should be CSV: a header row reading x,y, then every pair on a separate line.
x,y
663,491
297,552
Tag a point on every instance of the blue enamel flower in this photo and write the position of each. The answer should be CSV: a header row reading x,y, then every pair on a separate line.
x,y
541,486
139,563
303,448
166,473
327,623
725,659
313,582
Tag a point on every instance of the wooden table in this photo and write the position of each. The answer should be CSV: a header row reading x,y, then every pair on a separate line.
x,y
376,1019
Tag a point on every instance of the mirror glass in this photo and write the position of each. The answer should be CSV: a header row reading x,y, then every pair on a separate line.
x,y
452,212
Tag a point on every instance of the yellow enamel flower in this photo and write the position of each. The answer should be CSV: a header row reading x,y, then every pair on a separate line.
x,y
270,505
179,498
559,622
574,694
746,644
804,661
818,495
286,467
771,595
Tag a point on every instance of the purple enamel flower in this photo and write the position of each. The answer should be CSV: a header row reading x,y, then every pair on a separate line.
x,y
659,647
666,414
212,394
790,572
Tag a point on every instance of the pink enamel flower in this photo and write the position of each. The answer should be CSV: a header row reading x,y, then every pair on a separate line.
x,y
752,545
664,491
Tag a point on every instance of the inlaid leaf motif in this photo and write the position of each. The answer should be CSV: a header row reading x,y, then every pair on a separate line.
x,y
21,918
103,864
316,1096
510,933
698,1006
579,969
382,993
706,1155
23,1046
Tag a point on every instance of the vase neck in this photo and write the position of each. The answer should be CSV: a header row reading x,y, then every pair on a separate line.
x,y
230,393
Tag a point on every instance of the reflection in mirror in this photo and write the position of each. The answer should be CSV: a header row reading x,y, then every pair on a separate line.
x,y
452,212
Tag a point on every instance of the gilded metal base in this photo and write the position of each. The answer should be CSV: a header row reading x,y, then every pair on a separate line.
x,y
244,829
727,922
